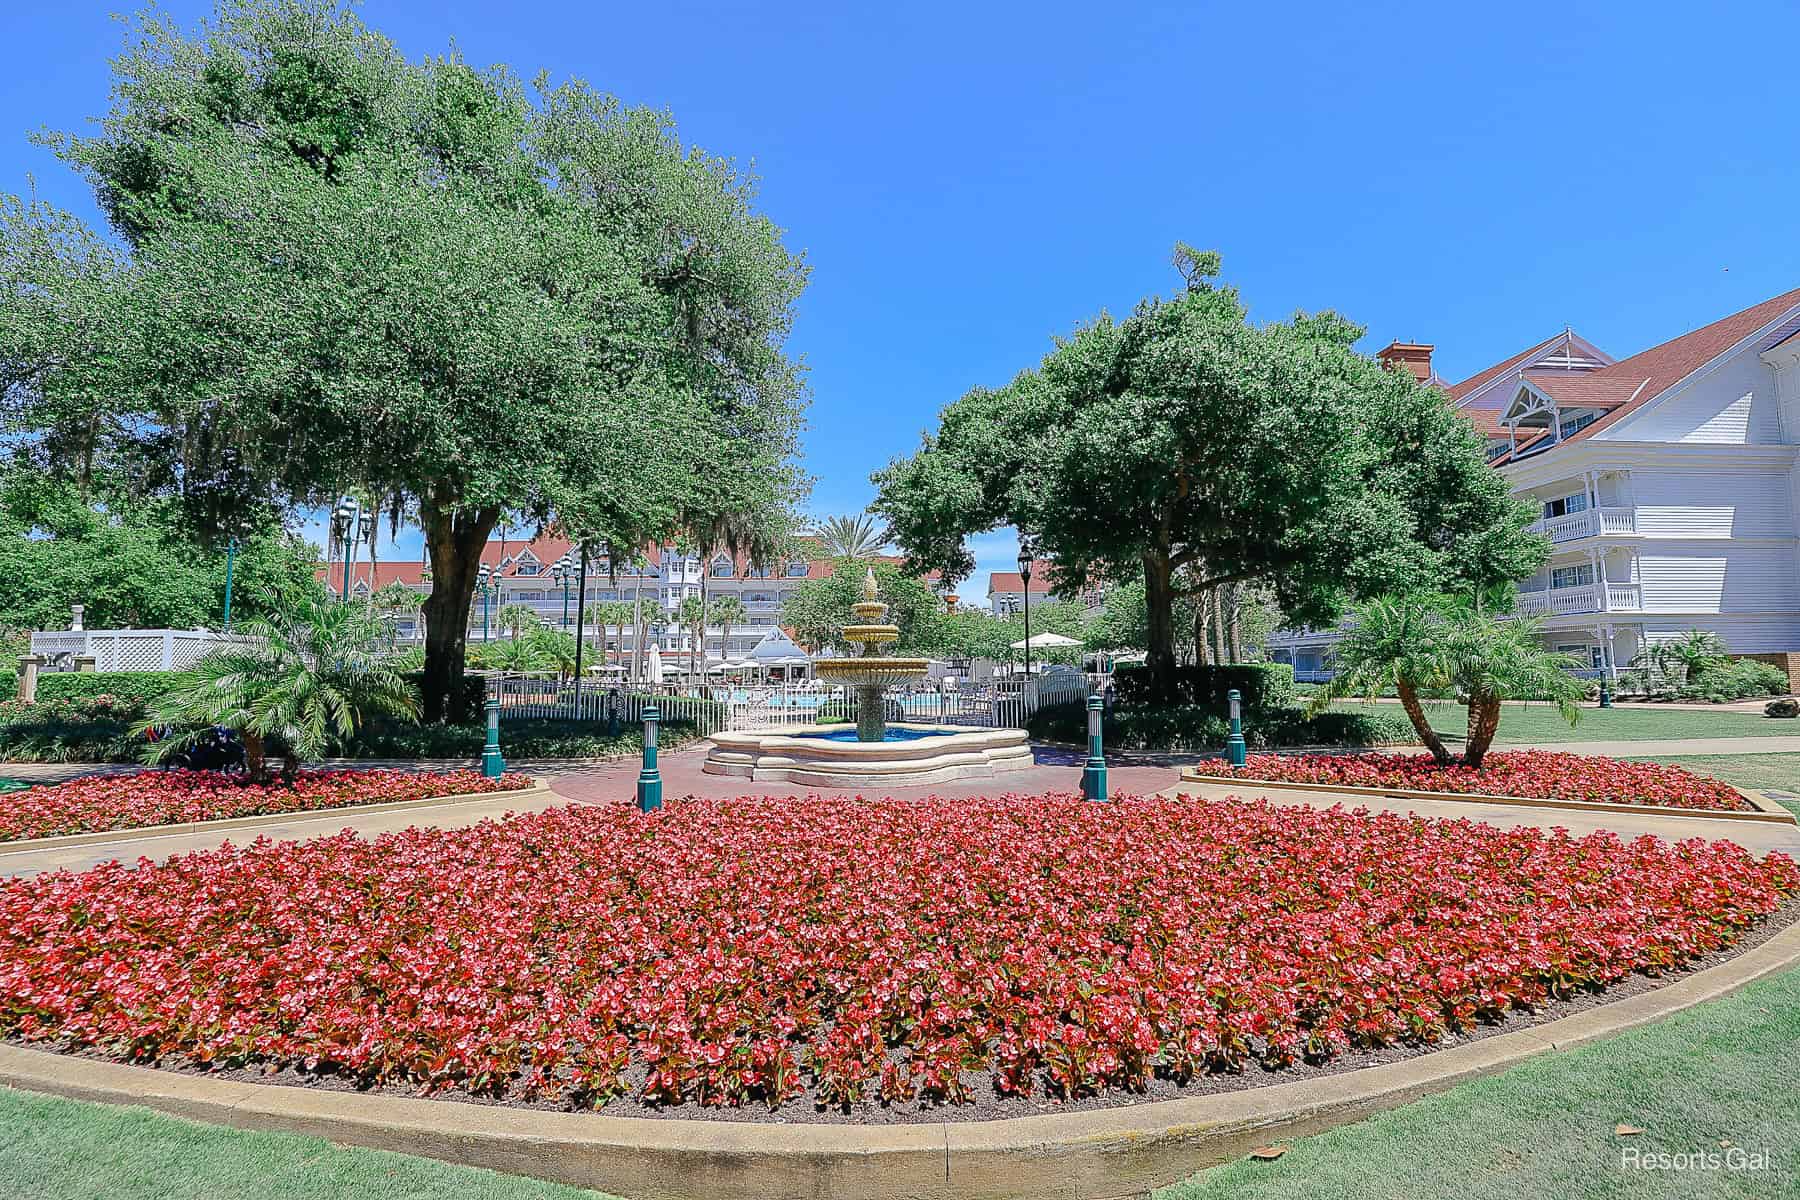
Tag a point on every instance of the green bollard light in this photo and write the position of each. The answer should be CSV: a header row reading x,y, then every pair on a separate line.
x,y
492,765
1234,745
649,786
1093,774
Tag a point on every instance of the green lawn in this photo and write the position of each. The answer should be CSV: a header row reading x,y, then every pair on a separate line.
x,y
1762,772
54,1149
1723,1070
1542,723
1720,1071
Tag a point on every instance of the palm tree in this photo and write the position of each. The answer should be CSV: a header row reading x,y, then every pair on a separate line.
x,y
393,599
856,536
516,619
1690,655
301,682
1489,661
692,617
727,611
612,614
1392,642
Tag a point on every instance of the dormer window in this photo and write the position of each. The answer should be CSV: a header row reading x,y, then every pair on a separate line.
x,y
526,568
721,567
797,569
1574,424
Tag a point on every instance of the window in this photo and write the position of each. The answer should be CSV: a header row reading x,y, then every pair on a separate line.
x,y
797,569
721,567
526,569
1567,577
1575,424
1562,506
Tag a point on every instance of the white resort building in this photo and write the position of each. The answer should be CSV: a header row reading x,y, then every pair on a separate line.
x,y
1668,482
662,579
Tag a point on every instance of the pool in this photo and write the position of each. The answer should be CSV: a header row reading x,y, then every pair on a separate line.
x,y
891,734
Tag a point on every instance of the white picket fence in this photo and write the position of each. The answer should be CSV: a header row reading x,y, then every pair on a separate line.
x,y
1007,705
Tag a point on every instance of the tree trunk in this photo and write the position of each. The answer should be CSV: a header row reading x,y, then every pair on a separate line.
x,y
1484,723
1199,634
1159,620
1415,712
1235,624
454,541
256,762
1221,650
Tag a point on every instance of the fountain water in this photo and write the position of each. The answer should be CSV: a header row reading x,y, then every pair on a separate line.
x,y
870,672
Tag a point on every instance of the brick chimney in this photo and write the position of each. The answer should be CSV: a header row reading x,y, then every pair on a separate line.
x,y
1408,356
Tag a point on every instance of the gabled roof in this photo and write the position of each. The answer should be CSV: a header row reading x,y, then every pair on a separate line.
x,y
1475,382
1650,373
411,573
1590,390
1004,582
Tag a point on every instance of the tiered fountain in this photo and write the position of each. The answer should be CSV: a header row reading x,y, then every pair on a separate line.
x,y
874,752
870,672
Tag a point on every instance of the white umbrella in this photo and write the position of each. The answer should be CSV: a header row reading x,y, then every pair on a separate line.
x,y
1046,641
654,667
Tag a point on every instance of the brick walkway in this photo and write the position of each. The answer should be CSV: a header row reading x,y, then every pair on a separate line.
x,y
1056,770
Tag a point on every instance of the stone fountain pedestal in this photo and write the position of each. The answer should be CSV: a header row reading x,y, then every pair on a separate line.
x,y
796,754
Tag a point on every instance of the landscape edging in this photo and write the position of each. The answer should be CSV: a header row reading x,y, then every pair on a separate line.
x,y
1765,811
1110,1152
137,833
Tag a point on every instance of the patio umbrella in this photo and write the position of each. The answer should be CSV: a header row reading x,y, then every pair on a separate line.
x,y
654,668
1047,641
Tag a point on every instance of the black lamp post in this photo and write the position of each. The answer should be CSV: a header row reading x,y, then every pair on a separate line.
x,y
1025,577
581,562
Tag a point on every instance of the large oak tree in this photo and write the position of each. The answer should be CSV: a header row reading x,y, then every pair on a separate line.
x,y
1191,449
422,281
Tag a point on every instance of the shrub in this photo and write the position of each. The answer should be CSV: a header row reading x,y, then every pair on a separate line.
x,y
1788,707
1264,686
143,687
86,729
530,738
1196,727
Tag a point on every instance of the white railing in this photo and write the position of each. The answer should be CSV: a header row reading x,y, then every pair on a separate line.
x,y
1587,523
128,649
1626,596
1559,601
1313,675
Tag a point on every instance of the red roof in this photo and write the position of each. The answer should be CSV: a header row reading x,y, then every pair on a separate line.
x,y
385,573
1474,382
1662,367
1012,581
1585,389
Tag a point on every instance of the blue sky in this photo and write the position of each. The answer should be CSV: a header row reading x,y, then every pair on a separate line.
x,y
968,180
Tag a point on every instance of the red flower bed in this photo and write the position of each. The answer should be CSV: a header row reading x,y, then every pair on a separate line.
x,y
759,950
1538,774
100,802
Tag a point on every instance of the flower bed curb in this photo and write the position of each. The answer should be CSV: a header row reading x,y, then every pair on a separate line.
x,y
1113,1152
1765,809
539,784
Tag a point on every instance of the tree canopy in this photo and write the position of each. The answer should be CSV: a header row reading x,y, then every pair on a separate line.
x,y
1192,449
428,282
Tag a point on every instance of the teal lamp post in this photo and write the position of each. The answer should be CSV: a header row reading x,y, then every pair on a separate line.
x,y
649,784
492,765
484,585
1093,774
344,525
561,570
1234,745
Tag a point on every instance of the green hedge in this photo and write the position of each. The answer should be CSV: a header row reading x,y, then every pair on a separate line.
x,y
1197,727
84,729
1265,687
531,738
141,687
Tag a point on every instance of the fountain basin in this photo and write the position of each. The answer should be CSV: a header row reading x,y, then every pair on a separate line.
x,y
827,756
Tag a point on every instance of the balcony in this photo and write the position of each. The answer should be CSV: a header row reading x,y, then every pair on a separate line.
x,y
1588,598
1591,522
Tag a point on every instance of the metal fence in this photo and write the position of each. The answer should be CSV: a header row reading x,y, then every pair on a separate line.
x,y
1004,705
